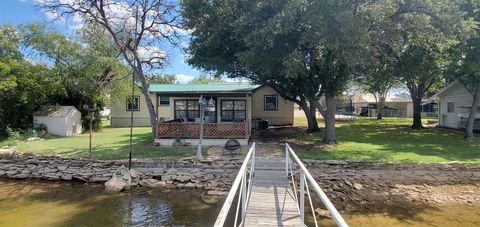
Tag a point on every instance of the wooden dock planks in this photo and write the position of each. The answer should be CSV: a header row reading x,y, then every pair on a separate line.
x,y
272,200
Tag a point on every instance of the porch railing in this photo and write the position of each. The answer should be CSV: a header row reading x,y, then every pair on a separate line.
x,y
210,130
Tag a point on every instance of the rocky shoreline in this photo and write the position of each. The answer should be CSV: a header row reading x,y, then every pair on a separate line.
x,y
172,174
349,184
355,185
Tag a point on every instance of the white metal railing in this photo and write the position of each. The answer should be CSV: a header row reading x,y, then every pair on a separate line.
x,y
239,185
305,179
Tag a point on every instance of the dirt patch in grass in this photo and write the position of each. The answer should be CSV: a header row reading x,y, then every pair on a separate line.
x,y
279,134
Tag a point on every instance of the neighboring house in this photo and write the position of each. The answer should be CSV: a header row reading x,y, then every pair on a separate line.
x,y
395,105
455,103
237,107
59,120
105,113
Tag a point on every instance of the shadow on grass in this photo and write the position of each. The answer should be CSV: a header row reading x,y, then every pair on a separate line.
x,y
109,144
387,140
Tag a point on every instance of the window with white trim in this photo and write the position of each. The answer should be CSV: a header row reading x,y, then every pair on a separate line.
x,y
233,110
187,109
135,105
164,101
270,103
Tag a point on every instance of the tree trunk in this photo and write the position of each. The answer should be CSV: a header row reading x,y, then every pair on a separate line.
x,y
329,116
471,115
311,116
380,104
417,113
148,100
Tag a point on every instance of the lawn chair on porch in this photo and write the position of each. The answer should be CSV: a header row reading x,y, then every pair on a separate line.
x,y
232,146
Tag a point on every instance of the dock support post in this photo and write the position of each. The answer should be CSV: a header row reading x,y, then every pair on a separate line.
x,y
302,196
286,160
244,195
253,160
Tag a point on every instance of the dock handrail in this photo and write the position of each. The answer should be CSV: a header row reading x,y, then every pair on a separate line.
x,y
306,177
240,184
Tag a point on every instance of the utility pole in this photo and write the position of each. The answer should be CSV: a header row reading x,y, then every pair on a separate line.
x,y
133,97
90,144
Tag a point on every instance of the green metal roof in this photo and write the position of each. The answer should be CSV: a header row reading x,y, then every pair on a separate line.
x,y
203,88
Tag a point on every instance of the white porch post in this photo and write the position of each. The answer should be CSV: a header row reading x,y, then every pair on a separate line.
x,y
202,113
248,119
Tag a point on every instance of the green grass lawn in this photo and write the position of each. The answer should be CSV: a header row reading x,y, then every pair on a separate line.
x,y
108,144
389,139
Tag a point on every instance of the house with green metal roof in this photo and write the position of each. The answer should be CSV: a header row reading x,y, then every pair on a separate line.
x,y
229,110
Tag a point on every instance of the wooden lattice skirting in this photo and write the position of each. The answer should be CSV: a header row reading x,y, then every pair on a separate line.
x,y
210,130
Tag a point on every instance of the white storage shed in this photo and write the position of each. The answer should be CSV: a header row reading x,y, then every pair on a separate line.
x,y
455,105
60,120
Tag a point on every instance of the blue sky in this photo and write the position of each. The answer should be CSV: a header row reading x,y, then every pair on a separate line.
x,y
17,12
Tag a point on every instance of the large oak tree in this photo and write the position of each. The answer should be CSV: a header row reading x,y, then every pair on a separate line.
x,y
304,49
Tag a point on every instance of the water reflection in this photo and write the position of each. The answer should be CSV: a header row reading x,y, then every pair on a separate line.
x,y
37,203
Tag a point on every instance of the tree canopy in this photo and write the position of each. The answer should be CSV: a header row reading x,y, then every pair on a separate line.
x,y
304,49
24,86
464,61
41,67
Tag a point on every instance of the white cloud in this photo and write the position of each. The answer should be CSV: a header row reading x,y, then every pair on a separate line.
x,y
151,54
183,78
74,22
118,13
53,16
235,79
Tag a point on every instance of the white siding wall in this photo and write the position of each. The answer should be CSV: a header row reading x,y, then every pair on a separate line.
x,y
462,100
282,116
73,123
61,126
55,125
120,116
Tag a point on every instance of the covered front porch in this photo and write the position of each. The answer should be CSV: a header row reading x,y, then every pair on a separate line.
x,y
225,116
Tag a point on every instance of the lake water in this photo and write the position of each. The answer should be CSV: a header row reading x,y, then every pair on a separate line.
x,y
453,215
39,203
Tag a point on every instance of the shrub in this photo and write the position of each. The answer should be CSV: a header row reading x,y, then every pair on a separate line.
x,y
42,131
14,134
